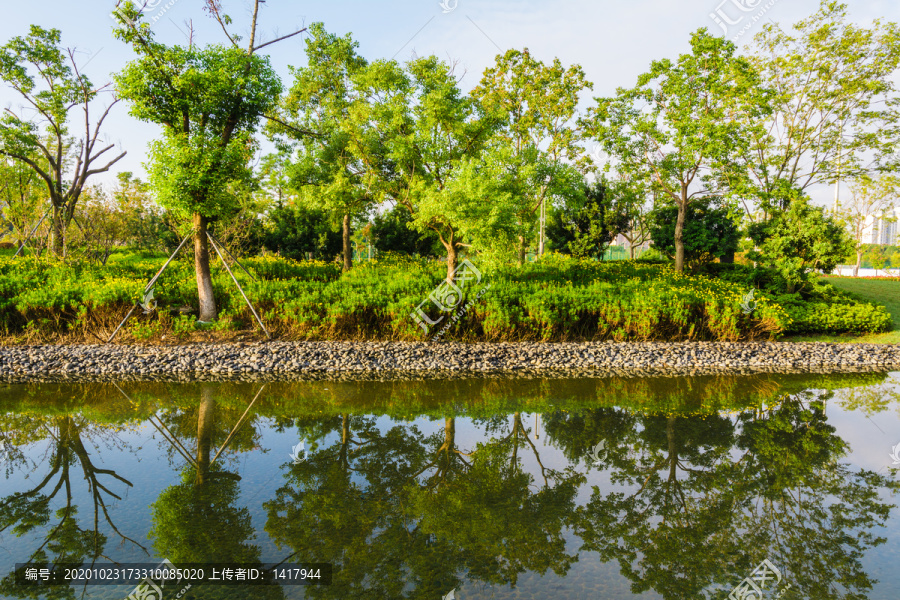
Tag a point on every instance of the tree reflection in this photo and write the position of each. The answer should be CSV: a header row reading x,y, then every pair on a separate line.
x,y
196,521
401,514
63,539
704,500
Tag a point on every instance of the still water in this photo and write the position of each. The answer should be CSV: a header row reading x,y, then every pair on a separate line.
x,y
674,488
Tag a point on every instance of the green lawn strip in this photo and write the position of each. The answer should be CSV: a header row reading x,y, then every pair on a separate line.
x,y
882,292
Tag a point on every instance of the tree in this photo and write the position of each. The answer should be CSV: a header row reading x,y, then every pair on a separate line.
x,y
683,123
435,138
588,221
870,199
51,84
796,242
710,232
209,102
294,231
537,104
334,169
633,201
393,232
834,106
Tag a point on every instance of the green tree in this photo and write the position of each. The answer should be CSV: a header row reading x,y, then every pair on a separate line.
x,y
393,232
839,124
683,123
871,199
435,138
711,231
50,83
797,242
294,231
209,102
537,104
334,169
588,220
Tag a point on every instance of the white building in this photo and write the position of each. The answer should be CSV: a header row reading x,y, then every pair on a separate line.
x,y
883,230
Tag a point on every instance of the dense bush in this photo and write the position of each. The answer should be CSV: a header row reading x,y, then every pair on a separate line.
x,y
556,298
710,232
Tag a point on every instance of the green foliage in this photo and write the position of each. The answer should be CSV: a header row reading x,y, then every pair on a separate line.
x,y
208,101
682,125
821,317
556,298
876,256
710,232
796,242
587,221
827,127
539,136
294,230
393,232
325,121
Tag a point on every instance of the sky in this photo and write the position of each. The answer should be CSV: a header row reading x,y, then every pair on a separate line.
x,y
614,41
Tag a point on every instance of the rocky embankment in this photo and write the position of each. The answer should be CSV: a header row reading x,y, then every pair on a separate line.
x,y
388,360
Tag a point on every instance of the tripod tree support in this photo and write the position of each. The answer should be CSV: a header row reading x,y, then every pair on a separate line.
x,y
149,286
240,289
215,246
31,233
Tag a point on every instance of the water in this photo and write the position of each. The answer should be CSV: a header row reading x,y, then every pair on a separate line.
x,y
493,488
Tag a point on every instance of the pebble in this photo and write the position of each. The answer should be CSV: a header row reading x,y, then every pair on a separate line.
x,y
390,360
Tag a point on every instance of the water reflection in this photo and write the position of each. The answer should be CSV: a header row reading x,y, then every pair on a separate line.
x,y
45,509
411,489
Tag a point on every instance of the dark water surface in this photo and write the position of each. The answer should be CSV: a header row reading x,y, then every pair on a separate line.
x,y
675,488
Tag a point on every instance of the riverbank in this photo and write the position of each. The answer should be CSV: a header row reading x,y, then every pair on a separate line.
x,y
376,360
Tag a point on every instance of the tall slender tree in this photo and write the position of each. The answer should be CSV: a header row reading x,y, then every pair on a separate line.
x,y
684,123
834,109
537,103
334,170
209,102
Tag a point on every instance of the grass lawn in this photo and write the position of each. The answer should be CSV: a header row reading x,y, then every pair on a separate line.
x,y
885,293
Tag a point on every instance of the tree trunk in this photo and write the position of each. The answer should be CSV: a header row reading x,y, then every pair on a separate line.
x,y
348,251
631,250
673,450
59,231
205,416
679,236
201,269
858,262
521,257
452,261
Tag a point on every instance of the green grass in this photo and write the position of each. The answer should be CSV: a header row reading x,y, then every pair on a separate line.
x,y
883,292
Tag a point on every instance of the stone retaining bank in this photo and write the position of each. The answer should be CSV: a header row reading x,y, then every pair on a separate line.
x,y
388,360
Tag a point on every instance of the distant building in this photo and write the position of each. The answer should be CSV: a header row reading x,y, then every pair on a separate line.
x,y
883,229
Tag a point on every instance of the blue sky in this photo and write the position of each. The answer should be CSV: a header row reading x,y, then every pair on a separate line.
x,y
614,41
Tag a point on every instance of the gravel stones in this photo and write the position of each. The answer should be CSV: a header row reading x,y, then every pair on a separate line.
x,y
387,360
